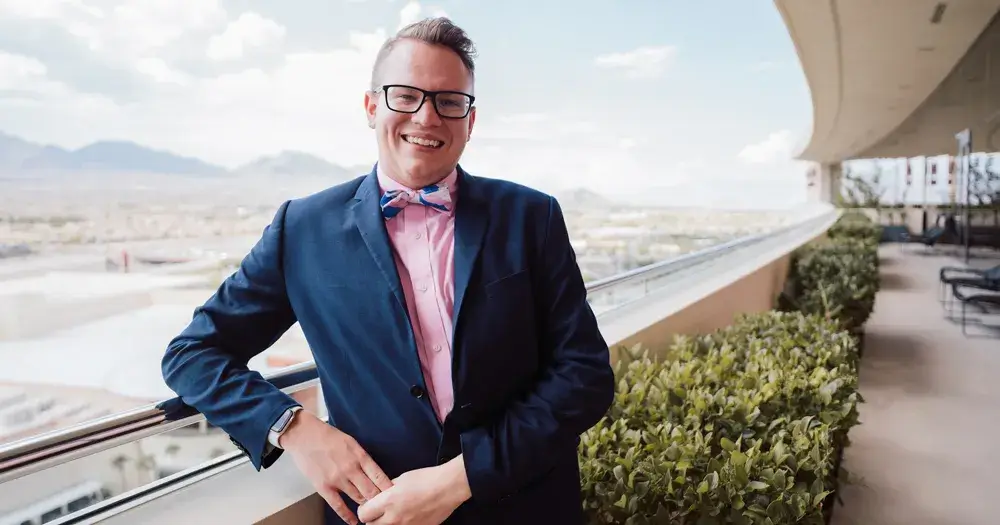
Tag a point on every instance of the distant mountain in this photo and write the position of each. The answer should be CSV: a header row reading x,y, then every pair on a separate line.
x,y
14,151
296,163
21,156
583,198
119,156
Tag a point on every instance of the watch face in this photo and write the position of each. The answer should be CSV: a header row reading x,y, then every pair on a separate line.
x,y
282,421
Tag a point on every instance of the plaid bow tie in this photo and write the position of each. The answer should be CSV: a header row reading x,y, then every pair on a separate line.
x,y
434,196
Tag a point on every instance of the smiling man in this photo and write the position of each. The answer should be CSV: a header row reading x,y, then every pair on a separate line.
x,y
459,358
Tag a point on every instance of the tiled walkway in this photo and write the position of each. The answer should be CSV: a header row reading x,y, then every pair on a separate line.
x,y
927,451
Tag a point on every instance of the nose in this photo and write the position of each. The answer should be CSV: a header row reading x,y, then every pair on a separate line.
x,y
427,114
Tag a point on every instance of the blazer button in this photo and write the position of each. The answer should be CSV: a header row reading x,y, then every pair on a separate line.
x,y
417,392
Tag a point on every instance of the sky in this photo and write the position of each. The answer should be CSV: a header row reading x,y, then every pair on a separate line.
x,y
652,102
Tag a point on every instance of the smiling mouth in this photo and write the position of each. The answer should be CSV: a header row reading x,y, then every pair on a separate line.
x,y
427,143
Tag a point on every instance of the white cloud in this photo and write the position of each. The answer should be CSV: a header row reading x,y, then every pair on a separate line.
x,y
523,118
776,147
26,74
19,72
555,166
413,11
692,165
409,13
642,62
129,34
533,126
248,31
137,27
32,96
76,17
159,71
47,9
313,102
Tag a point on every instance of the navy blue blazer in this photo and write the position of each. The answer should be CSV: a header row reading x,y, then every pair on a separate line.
x,y
531,370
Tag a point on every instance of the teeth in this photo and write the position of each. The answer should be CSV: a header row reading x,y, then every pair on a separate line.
x,y
422,142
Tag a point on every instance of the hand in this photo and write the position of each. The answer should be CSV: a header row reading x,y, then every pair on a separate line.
x,y
334,462
425,496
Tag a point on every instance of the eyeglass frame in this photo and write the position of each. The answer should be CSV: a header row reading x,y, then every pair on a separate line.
x,y
427,94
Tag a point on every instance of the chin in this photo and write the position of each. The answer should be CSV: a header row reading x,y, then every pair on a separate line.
x,y
421,170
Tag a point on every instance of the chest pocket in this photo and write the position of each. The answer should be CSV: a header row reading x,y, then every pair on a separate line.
x,y
509,305
512,286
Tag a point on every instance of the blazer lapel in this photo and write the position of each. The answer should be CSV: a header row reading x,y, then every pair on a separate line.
x,y
471,218
368,218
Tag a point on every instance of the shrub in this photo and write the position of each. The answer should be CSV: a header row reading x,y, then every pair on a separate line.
x,y
837,277
743,425
739,426
855,225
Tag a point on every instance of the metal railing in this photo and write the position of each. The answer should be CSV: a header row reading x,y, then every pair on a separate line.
x,y
622,289
37,453
54,448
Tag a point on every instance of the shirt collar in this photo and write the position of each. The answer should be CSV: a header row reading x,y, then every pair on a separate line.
x,y
386,183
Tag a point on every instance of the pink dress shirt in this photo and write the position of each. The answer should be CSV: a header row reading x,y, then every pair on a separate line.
x,y
423,246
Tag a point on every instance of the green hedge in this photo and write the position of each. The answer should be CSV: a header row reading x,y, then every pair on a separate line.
x,y
743,425
855,225
837,277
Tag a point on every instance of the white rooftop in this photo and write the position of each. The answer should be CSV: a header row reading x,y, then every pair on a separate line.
x,y
120,354
70,284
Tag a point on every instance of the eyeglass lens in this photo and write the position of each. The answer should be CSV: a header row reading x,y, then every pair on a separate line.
x,y
408,100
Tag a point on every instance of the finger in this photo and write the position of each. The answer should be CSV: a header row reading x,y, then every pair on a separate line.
x,y
349,487
360,482
375,474
372,510
381,520
333,499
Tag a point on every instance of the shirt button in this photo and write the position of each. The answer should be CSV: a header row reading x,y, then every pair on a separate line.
x,y
416,235
422,288
437,348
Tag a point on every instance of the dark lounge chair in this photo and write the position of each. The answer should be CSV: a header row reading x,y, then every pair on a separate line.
x,y
928,238
984,279
986,303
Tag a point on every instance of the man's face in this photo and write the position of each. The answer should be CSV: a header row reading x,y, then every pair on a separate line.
x,y
432,68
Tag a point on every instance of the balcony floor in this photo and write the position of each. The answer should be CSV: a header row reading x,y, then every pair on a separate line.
x,y
928,445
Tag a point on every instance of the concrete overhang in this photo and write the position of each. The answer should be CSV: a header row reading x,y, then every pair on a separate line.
x,y
870,65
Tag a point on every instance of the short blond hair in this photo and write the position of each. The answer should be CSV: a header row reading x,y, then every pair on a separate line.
x,y
439,31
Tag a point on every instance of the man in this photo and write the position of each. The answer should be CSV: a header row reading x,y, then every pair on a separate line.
x,y
458,356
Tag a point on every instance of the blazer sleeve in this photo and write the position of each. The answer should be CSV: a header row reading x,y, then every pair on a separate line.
x,y
206,364
573,392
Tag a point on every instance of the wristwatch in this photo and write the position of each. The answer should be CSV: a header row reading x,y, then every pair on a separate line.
x,y
281,425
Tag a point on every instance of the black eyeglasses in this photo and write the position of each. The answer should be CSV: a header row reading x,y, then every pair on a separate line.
x,y
408,99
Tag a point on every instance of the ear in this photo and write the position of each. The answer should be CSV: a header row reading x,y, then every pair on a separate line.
x,y
371,104
472,122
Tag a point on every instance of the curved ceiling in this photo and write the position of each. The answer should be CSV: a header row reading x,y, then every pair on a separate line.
x,y
870,64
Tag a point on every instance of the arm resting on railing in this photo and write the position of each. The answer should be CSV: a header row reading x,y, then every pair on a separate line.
x,y
206,364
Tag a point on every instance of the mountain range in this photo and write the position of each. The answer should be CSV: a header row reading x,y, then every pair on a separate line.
x,y
25,158
19,156
583,198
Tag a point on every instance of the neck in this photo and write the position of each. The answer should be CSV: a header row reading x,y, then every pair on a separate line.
x,y
413,183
